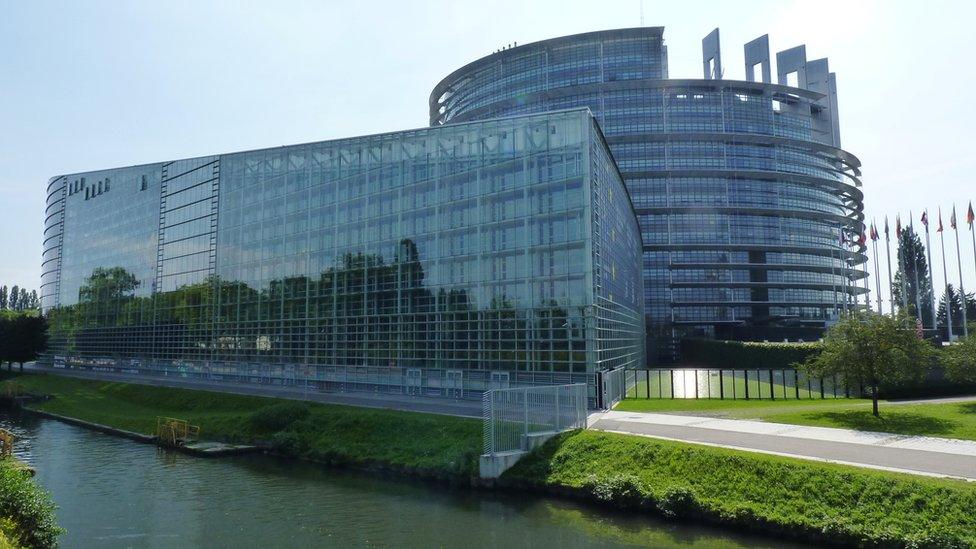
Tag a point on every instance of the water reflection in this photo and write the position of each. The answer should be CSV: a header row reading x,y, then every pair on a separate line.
x,y
117,493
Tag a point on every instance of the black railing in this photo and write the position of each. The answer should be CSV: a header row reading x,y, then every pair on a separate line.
x,y
765,384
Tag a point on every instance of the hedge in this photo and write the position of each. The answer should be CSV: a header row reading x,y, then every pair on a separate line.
x,y
741,355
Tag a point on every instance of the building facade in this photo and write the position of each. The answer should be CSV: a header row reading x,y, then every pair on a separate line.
x,y
442,259
750,211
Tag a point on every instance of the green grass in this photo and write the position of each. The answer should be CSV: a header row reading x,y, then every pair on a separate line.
x,y
812,500
433,445
948,419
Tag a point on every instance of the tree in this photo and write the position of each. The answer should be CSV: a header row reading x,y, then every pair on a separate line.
x,y
953,296
28,338
3,297
14,295
872,351
959,360
34,301
911,253
5,339
22,302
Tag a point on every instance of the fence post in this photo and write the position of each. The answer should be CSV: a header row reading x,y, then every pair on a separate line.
x,y
796,383
772,388
745,374
721,386
525,424
557,410
696,383
672,384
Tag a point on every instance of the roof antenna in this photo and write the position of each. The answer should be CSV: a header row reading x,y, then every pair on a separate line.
x,y
642,12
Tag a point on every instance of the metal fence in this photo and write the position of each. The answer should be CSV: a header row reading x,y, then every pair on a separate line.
x,y
769,384
513,416
430,382
614,385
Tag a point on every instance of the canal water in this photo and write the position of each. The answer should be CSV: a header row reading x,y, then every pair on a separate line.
x,y
112,492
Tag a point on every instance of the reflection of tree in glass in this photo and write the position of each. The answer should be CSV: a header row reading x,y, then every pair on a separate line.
x,y
107,283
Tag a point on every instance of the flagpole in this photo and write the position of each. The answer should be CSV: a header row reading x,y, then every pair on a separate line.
x,y
962,290
928,251
918,297
877,276
903,265
945,275
891,285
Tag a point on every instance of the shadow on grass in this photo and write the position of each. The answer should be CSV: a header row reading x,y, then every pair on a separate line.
x,y
968,407
904,423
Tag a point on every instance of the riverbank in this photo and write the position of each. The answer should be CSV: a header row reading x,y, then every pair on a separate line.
x,y
26,511
426,445
790,497
812,501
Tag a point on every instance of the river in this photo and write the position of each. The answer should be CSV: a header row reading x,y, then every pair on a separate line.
x,y
113,492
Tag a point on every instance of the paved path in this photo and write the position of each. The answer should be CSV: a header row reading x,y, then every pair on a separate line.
x,y
909,454
443,406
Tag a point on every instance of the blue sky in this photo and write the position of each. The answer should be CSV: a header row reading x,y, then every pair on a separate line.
x,y
88,85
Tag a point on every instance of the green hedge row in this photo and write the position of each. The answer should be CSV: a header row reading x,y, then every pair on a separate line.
x,y
741,355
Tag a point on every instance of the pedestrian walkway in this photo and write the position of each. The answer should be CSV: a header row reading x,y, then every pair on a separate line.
x,y
910,454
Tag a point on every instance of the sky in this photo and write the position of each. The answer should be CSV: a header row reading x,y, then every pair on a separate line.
x,y
91,85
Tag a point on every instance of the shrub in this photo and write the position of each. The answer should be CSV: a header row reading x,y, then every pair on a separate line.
x,y
620,490
740,355
678,501
278,417
27,508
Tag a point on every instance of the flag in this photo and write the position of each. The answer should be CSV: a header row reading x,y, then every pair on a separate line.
x,y
970,216
952,219
842,239
886,227
862,239
874,231
939,230
898,225
925,219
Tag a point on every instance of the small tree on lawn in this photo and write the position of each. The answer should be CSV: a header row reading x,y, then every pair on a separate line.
x,y
871,350
959,360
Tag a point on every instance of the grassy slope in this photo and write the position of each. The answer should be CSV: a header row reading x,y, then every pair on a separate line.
x,y
792,496
437,445
951,420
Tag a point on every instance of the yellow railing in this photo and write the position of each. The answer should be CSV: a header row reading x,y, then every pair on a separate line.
x,y
175,432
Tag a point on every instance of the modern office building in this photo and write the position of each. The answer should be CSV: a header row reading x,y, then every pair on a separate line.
x,y
750,210
438,260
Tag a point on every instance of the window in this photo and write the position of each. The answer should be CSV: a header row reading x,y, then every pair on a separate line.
x,y
145,183
106,184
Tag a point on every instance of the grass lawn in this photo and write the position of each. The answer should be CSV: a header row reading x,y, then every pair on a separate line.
x,y
950,419
437,445
795,497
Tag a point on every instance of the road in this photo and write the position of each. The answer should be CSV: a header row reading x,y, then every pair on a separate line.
x,y
910,454
407,403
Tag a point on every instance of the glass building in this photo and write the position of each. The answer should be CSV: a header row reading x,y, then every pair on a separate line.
x,y
438,260
750,211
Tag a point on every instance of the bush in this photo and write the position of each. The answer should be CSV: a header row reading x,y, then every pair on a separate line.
x,y
619,490
279,417
740,355
677,501
27,509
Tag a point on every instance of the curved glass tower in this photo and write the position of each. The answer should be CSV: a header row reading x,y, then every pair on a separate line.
x,y
750,210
